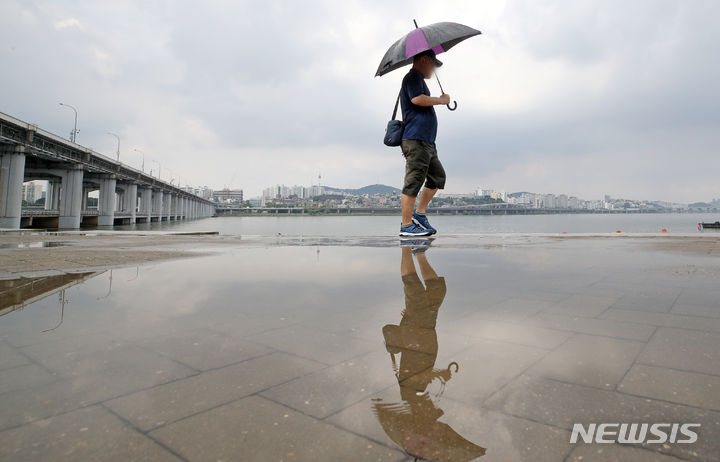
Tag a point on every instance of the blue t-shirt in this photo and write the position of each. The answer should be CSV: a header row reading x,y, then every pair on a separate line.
x,y
420,121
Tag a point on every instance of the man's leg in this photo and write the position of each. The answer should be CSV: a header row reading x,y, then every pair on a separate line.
x,y
417,161
408,204
426,196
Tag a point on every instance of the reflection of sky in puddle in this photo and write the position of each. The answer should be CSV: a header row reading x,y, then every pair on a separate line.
x,y
203,353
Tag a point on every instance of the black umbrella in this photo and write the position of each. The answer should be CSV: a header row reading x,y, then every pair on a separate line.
x,y
439,37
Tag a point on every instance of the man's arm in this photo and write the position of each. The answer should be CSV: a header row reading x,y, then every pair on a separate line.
x,y
425,100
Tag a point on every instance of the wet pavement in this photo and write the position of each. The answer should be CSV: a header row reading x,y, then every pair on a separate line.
x,y
319,349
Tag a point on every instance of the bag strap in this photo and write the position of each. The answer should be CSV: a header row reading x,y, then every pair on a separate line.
x,y
397,102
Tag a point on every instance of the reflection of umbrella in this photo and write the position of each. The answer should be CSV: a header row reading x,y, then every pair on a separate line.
x,y
438,37
421,435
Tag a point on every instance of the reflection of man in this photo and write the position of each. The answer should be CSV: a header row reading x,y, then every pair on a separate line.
x,y
413,422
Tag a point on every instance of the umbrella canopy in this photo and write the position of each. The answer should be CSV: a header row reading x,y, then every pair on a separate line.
x,y
439,37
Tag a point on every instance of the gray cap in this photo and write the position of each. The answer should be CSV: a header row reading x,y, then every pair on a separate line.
x,y
431,55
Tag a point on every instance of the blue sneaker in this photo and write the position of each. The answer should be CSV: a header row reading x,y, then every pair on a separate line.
x,y
413,230
421,220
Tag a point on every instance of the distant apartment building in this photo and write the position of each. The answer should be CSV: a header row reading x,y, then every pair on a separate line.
x,y
32,191
548,201
228,196
203,191
282,192
561,202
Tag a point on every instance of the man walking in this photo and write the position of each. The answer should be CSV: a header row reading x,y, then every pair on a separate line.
x,y
418,145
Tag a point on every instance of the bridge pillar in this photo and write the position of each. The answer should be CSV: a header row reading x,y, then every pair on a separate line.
x,y
157,204
49,194
167,198
52,195
131,199
85,193
106,201
146,203
12,173
181,208
71,198
174,207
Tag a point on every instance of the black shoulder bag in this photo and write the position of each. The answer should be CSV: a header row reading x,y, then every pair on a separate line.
x,y
395,128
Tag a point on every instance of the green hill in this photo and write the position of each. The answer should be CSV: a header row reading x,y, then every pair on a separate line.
x,y
369,190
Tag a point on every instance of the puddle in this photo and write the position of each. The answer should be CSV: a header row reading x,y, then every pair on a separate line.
x,y
364,353
33,245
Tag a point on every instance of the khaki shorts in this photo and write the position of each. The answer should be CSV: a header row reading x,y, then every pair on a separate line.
x,y
421,166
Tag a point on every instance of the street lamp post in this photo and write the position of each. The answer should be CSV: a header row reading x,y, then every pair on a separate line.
x,y
75,130
159,169
143,159
118,145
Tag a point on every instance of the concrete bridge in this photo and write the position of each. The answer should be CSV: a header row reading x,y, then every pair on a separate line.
x,y
126,195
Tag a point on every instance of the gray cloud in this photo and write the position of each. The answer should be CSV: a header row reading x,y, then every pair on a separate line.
x,y
586,98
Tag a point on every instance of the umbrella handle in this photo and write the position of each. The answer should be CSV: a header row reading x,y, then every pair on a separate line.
x,y
453,107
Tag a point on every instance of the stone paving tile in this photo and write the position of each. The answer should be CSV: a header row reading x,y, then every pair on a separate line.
x,y
87,434
617,453
589,360
167,403
238,324
326,347
507,438
504,437
705,297
663,319
67,345
328,390
676,386
254,428
485,368
360,418
688,350
21,377
31,404
615,291
27,335
10,357
479,327
512,309
466,303
203,349
649,299
66,394
562,405
711,311
545,295
592,326
582,305
121,361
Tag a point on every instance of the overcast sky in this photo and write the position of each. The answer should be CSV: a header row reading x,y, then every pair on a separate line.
x,y
579,97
